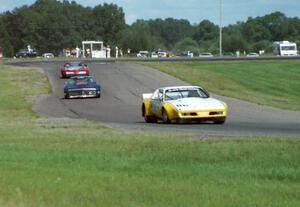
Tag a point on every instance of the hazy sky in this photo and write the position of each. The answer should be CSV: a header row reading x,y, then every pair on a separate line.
x,y
193,10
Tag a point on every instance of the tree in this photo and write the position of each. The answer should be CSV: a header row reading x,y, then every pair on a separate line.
x,y
187,44
276,23
170,31
254,31
138,37
108,21
4,41
265,45
206,31
51,25
234,42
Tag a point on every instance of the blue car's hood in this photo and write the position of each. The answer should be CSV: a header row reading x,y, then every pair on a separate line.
x,y
79,86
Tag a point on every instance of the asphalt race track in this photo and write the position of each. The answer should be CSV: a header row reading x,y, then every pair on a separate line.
x,y
121,99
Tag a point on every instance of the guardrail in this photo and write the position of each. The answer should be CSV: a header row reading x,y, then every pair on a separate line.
x,y
173,59
134,59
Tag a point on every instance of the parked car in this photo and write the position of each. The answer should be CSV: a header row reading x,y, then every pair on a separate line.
x,y
252,54
206,55
185,53
143,54
228,54
154,55
162,54
23,53
48,55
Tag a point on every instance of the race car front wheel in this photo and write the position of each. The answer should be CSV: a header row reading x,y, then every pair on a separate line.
x,y
165,117
67,96
220,120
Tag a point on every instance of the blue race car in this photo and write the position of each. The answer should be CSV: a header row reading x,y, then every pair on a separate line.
x,y
82,87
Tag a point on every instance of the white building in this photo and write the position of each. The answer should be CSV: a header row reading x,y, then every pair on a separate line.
x,y
94,49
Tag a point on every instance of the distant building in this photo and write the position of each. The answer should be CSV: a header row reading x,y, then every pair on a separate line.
x,y
94,49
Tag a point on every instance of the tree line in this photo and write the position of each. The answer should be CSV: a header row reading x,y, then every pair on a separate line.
x,y
51,25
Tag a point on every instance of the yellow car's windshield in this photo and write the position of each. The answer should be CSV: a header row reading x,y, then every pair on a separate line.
x,y
174,94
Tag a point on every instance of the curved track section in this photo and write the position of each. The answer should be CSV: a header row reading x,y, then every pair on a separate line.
x,y
120,104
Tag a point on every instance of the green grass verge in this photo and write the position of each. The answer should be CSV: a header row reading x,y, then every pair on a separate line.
x,y
272,83
67,162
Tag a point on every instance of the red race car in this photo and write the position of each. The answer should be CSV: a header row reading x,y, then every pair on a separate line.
x,y
74,69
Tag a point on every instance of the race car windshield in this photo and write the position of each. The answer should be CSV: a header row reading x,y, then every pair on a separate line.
x,y
174,94
81,80
74,65
86,79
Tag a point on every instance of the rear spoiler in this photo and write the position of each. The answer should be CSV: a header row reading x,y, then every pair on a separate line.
x,y
147,95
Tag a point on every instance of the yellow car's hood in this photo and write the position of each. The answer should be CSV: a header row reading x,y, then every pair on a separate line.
x,y
197,104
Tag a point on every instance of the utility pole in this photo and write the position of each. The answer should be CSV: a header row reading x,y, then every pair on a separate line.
x,y
220,35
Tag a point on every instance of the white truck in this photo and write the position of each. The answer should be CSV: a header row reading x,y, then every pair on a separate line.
x,y
143,54
285,48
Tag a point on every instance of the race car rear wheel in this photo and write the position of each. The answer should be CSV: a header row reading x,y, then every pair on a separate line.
x,y
63,76
67,96
150,119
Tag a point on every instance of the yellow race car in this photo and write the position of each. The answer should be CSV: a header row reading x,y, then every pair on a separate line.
x,y
182,103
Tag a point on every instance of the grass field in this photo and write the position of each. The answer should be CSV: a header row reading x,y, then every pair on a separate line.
x,y
272,83
67,162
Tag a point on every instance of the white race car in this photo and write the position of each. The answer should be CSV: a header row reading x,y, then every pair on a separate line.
x,y
182,103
